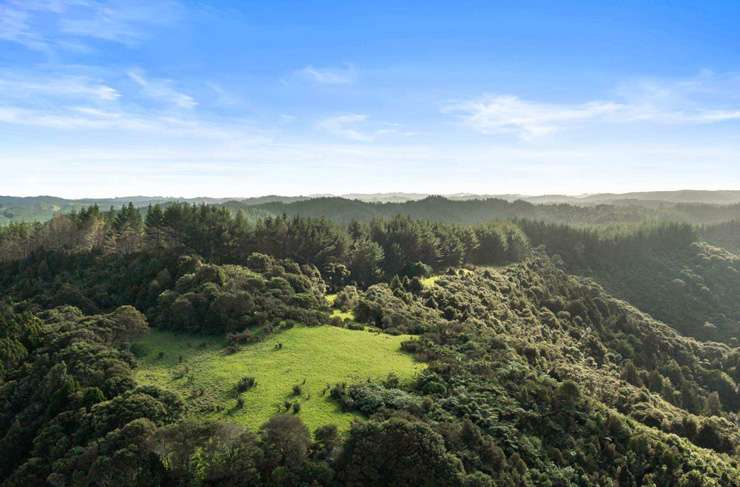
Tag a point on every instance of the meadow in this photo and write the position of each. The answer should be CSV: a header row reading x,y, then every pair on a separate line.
x,y
307,358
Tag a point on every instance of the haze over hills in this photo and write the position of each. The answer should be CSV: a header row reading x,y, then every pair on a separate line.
x,y
40,208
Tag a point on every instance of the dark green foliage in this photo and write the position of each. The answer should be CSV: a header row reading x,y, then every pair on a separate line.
x,y
230,298
245,383
370,398
18,335
396,452
659,268
395,311
725,235
73,390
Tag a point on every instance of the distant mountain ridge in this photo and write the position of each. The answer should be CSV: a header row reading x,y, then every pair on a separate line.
x,y
362,205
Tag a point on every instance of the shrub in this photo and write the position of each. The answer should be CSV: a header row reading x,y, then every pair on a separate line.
x,y
245,383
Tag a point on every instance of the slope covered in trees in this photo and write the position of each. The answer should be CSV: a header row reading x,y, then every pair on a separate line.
x,y
663,269
533,376
726,235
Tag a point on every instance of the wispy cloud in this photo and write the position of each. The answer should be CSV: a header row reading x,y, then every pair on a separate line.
x,y
224,97
15,27
46,25
162,90
89,118
705,99
125,22
29,87
357,127
346,126
328,76
510,114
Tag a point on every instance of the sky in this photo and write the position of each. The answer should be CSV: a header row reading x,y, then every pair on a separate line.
x,y
104,98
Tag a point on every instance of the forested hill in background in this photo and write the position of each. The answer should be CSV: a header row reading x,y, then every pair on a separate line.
x,y
686,206
16,209
440,209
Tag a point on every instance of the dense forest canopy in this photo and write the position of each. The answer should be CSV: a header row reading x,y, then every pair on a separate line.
x,y
553,353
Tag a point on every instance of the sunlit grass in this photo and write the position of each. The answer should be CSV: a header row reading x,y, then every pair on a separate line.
x,y
204,376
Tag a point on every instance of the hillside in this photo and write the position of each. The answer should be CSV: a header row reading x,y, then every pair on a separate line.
x,y
726,235
523,352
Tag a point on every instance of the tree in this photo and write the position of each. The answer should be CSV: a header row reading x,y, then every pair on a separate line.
x,y
127,324
713,406
365,258
285,441
396,452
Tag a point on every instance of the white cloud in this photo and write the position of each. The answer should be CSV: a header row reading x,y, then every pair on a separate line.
x,y
704,99
15,27
328,76
510,114
162,90
346,126
46,25
124,22
357,127
26,86
70,119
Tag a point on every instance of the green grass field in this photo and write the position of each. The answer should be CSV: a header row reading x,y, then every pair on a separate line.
x,y
206,376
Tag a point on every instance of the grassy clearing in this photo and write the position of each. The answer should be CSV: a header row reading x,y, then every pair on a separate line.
x,y
430,281
343,315
311,358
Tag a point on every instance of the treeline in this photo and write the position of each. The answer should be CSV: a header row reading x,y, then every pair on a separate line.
x,y
440,209
661,268
726,235
359,252
584,248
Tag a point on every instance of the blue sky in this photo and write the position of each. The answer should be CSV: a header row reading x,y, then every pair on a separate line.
x,y
240,98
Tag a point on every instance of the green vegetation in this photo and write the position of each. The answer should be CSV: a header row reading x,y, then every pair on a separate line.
x,y
661,268
429,281
313,358
522,352
589,211
725,235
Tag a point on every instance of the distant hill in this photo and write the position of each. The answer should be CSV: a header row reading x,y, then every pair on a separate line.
x,y
15,209
681,196
437,208
692,206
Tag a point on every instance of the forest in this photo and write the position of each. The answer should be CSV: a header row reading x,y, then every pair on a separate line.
x,y
499,343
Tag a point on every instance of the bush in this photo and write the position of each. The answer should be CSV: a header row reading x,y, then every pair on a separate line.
x,y
245,383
